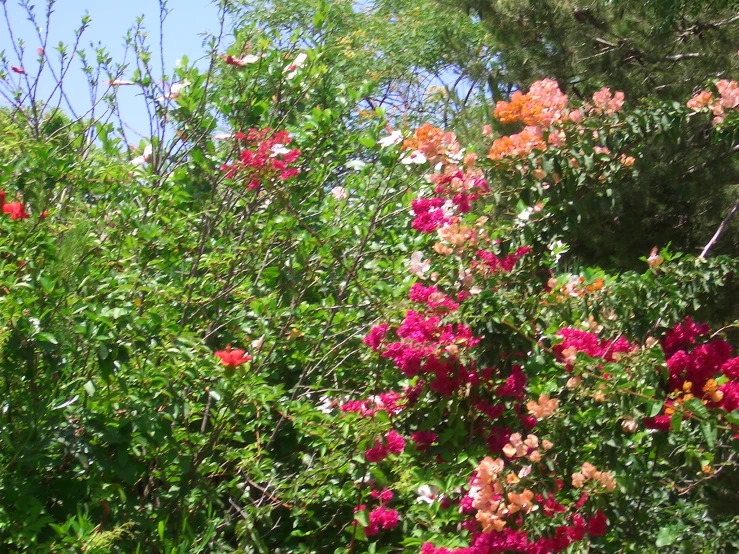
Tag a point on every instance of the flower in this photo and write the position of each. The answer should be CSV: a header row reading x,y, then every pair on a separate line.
x,y
419,266
174,91
232,358
18,70
381,518
655,260
240,62
145,157
598,524
427,494
384,496
395,137
119,83
339,193
544,407
293,67
414,157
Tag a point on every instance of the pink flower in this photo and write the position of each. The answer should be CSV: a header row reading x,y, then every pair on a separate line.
x,y
395,442
605,102
575,116
376,336
423,439
16,69
339,193
381,518
384,496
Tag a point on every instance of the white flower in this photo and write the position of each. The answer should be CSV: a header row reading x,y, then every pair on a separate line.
x,y
145,157
558,248
326,406
572,285
396,137
526,214
357,165
427,494
419,266
119,83
256,344
174,91
278,149
223,136
414,157
339,193
296,64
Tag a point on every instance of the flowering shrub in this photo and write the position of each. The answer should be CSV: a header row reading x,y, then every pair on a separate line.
x,y
424,363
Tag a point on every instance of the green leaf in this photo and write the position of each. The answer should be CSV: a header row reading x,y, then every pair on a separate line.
x,y
362,517
89,388
667,536
733,417
676,420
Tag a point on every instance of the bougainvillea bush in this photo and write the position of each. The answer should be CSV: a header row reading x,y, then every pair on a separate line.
x,y
289,322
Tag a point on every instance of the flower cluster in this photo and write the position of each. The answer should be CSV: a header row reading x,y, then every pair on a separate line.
x,y
487,262
498,512
264,157
381,517
728,100
390,402
393,443
605,102
576,340
588,472
695,371
432,144
14,209
544,109
543,105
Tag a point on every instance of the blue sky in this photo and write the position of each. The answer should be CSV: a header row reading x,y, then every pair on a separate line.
x,y
183,30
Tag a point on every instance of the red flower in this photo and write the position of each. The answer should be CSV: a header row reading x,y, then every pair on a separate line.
x,y
233,358
18,70
15,209
598,524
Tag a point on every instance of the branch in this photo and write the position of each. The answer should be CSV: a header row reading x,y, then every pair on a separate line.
x,y
720,230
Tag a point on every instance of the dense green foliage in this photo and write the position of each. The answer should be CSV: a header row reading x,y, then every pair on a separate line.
x,y
134,277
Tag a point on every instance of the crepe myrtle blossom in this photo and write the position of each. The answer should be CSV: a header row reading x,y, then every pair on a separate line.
x,y
395,137
419,266
293,67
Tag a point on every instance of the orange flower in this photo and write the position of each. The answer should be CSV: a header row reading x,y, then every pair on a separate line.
x,y
544,407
